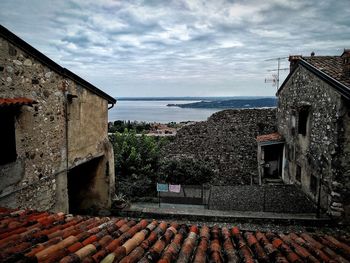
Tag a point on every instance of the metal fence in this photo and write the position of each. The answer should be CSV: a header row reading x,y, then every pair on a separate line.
x,y
256,198
189,194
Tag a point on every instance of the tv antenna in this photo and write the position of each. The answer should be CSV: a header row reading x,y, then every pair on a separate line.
x,y
275,79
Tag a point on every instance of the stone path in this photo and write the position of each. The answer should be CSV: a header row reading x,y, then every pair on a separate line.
x,y
201,214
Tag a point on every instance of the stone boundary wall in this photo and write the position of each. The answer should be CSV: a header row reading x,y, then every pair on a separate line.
x,y
264,198
226,142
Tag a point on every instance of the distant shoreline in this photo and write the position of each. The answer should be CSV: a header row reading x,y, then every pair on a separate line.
x,y
155,110
229,104
191,98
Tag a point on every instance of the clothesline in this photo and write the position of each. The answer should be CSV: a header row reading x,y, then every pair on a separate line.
x,y
174,188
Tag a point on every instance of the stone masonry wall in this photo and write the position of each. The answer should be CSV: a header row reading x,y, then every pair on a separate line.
x,y
226,142
319,151
341,180
38,177
40,134
266,198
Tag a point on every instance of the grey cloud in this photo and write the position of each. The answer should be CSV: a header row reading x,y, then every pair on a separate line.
x,y
183,47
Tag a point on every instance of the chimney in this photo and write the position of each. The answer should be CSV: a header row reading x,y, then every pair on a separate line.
x,y
293,60
312,54
346,62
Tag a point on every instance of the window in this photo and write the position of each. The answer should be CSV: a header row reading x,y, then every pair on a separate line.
x,y
302,121
298,173
7,137
293,121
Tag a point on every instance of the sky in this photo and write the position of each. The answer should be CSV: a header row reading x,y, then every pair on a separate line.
x,y
179,47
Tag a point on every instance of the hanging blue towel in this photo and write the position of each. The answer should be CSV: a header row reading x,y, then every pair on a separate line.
x,y
162,187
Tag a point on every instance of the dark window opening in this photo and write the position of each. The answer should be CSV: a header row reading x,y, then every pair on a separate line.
x,y
298,174
7,137
313,184
302,121
273,156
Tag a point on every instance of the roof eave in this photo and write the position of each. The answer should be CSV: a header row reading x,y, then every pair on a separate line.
x,y
341,88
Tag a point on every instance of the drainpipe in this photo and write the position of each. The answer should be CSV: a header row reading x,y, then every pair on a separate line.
x,y
69,99
319,195
323,160
65,84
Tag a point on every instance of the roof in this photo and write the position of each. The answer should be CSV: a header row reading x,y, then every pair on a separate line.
x,y
31,236
15,40
5,102
269,137
330,65
328,68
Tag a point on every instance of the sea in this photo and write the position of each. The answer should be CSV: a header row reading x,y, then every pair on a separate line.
x,y
157,111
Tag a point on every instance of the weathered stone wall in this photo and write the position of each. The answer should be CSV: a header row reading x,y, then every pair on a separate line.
x,y
40,133
39,174
318,152
341,180
226,142
260,198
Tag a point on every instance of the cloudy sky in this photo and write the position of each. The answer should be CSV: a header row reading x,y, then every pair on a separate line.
x,y
179,47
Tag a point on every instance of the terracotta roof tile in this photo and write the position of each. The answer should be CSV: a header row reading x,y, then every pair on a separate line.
x,y
5,102
330,65
269,137
31,236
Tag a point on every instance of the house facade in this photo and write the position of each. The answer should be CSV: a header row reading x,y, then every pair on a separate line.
x,y
55,153
314,120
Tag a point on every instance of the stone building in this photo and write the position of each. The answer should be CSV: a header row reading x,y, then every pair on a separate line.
x,y
314,120
55,153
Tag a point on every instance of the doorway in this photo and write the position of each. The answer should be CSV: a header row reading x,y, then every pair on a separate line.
x,y
271,163
84,191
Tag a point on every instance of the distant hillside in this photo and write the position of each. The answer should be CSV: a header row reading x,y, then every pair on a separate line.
x,y
229,104
188,98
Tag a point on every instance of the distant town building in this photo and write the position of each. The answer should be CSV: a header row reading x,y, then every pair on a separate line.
x,y
313,118
55,153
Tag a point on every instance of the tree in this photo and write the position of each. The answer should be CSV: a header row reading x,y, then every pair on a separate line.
x,y
185,171
136,163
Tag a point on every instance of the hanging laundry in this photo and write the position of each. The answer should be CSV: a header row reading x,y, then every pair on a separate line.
x,y
175,188
162,187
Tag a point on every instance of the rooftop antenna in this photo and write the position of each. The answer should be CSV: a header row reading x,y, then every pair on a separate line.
x,y
275,77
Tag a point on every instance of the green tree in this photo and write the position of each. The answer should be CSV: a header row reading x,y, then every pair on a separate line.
x,y
136,163
120,126
184,171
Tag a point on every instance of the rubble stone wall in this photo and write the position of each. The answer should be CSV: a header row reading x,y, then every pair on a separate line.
x,y
226,142
266,198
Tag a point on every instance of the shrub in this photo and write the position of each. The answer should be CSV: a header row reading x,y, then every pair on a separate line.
x,y
184,171
136,163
